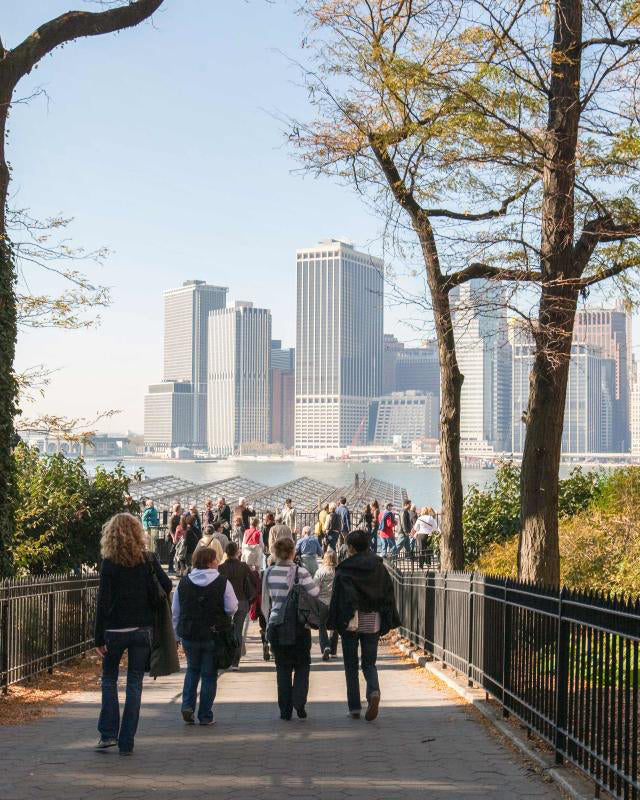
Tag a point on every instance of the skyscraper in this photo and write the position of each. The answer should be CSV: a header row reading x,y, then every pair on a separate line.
x,y
338,345
186,312
283,394
168,415
484,358
609,329
589,399
238,391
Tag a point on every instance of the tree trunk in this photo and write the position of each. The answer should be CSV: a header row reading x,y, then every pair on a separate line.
x,y
538,555
8,334
452,541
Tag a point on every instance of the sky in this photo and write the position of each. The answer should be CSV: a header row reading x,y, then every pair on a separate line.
x,y
164,143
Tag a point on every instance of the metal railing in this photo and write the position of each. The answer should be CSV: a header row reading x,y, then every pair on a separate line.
x,y
43,622
564,662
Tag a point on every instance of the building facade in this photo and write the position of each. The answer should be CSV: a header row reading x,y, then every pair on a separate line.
x,y
485,359
168,416
634,408
610,330
402,417
588,403
339,349
238,395
186,314
283,394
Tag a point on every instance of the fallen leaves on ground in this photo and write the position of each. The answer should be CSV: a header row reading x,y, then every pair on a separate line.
x,y
40,696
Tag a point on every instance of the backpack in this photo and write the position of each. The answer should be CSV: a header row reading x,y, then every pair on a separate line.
x,y
283,630
181,549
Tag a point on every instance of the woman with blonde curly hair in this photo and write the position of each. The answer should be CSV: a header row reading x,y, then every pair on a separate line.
x,y
124,618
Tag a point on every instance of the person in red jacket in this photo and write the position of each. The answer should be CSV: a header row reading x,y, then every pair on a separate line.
x,y
387,525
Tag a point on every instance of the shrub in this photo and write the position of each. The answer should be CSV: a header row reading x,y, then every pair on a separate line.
x,y
61,510
599,546
492,515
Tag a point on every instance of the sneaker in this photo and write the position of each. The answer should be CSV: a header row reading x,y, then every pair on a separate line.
x,y
103,744
372,710
301,712
187,716
326,654
265,652
235,669
125,752
354,714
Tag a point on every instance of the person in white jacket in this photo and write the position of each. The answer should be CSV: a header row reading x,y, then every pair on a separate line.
x,y
203,600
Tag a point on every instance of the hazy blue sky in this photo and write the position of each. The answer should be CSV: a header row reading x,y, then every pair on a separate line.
x,y
160,142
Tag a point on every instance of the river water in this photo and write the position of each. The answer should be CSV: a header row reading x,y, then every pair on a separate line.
x,y
421,483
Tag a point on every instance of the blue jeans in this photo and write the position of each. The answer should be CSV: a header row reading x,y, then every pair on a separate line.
x,y
389,545
405,542
138,645
368,654
332,539
201,664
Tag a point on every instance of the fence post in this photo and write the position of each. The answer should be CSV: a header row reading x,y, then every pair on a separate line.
x,y
52,629
83,618
4,632
470,632
562,682
506,649
444,621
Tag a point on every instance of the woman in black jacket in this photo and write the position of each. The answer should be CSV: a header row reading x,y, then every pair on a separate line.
x,y
124,618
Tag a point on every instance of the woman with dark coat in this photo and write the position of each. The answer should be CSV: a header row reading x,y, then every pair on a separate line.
x,y
124,619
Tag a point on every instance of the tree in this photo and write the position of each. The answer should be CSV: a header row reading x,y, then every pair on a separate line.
x,y
507,134
390,85
15,64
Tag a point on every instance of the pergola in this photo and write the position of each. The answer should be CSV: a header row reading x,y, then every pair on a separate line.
x,y
308,494
154,487
197,494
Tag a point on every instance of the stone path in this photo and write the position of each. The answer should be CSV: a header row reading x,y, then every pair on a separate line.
x,y
423,745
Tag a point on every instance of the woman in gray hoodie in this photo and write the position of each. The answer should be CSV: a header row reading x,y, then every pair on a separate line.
x,y
323,579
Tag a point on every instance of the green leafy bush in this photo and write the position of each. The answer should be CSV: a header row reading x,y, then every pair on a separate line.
x,y
599,545
492,515
61,509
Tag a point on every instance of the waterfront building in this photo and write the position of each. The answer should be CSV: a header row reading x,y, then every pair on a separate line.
x,y
339,338
239,352
186,314
610,330
485,359
282,394
634,407
168,416
402,417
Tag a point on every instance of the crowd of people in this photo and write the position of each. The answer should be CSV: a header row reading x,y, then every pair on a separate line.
x,y
234,568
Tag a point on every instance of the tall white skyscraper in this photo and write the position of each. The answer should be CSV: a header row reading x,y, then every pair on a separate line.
x,y
238,392
338,345
484,358
186,312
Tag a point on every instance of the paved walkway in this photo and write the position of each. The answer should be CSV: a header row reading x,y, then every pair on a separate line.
x,y
423,744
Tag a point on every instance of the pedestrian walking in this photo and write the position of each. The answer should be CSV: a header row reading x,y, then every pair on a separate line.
x,y
345,516
424,529
387,530
239,574
375,513
196,522
267,523
362,609
309,549
293,661
332,528
209,541
406,526
279,531
237,532
252,547
124,621
220,535
242,510
174,523
209,513
323,579
202,607
289,517
150,517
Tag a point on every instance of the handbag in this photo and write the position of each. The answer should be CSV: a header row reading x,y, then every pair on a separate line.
x,y
227,644
155,593
163,659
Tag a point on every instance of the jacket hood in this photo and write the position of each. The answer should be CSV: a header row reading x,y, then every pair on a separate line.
x,y
203,577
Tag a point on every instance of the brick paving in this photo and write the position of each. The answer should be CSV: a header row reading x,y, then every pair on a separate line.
x,y
423,745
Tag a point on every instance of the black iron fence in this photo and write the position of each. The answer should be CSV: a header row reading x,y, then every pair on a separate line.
x,y
565,663
43,622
